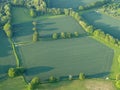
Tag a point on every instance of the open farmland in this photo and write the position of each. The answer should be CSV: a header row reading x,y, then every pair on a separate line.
x,y
68,3
107,23
65,57
7,59
23,31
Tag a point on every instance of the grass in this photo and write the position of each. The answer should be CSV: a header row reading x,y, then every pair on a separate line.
x,y
88,84
13,84
65,4
107,23
73,56
7,58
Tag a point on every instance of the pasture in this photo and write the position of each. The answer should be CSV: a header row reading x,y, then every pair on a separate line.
x,y
107,23
61,58
68,3
7,58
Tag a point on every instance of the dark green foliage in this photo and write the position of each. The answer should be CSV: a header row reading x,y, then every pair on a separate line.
x,y
12,72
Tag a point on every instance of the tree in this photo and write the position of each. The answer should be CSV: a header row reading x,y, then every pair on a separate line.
x,y
52,79
81,76
68,35
34,23
11,72
66,11
70,77
119,59
7,26
55,36
34,29
62,35
9,33
118,84
81,7
35,36
118,76
76,34
32,13
35,81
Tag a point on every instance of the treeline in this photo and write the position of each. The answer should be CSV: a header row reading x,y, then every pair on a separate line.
x,y
112,9
94,4
97,33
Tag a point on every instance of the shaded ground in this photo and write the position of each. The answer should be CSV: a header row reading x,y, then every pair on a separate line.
x,y
107,23
7,58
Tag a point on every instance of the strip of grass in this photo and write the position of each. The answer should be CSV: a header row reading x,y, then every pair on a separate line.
x,y
13,84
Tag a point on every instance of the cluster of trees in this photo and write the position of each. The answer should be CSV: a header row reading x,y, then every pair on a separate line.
x,y
5,14
64,35
94,4
112,9
13,72
54,11
36,33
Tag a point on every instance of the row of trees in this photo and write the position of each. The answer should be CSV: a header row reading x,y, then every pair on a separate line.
x,y
91,29
94,4
33,84
64,35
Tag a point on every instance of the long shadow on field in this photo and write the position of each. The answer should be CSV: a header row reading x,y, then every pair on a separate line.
x,y
107,28
4,68
98,75
5,47
37,70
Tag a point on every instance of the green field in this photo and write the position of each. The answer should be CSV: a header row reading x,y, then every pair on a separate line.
x,y
68,3
7,59
107,23
65,57
23,31
13,84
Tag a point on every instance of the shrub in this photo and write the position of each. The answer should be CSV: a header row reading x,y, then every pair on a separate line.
x,y
118,84
68,35
62,35
76,34
118,76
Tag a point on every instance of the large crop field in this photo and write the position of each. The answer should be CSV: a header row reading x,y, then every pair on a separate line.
x,y
107,23
66,57
7,59
68,3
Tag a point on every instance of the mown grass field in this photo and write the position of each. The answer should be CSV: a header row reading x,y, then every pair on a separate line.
x,y
68,3
107,23
66,57
13,84
7,58
88,84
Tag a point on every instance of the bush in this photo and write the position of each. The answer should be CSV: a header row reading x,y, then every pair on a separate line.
x,y
35,81
62,35
68,35
118,76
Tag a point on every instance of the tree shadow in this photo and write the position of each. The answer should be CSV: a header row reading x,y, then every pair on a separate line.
x,y
98,75
4,68
37,70
5,47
